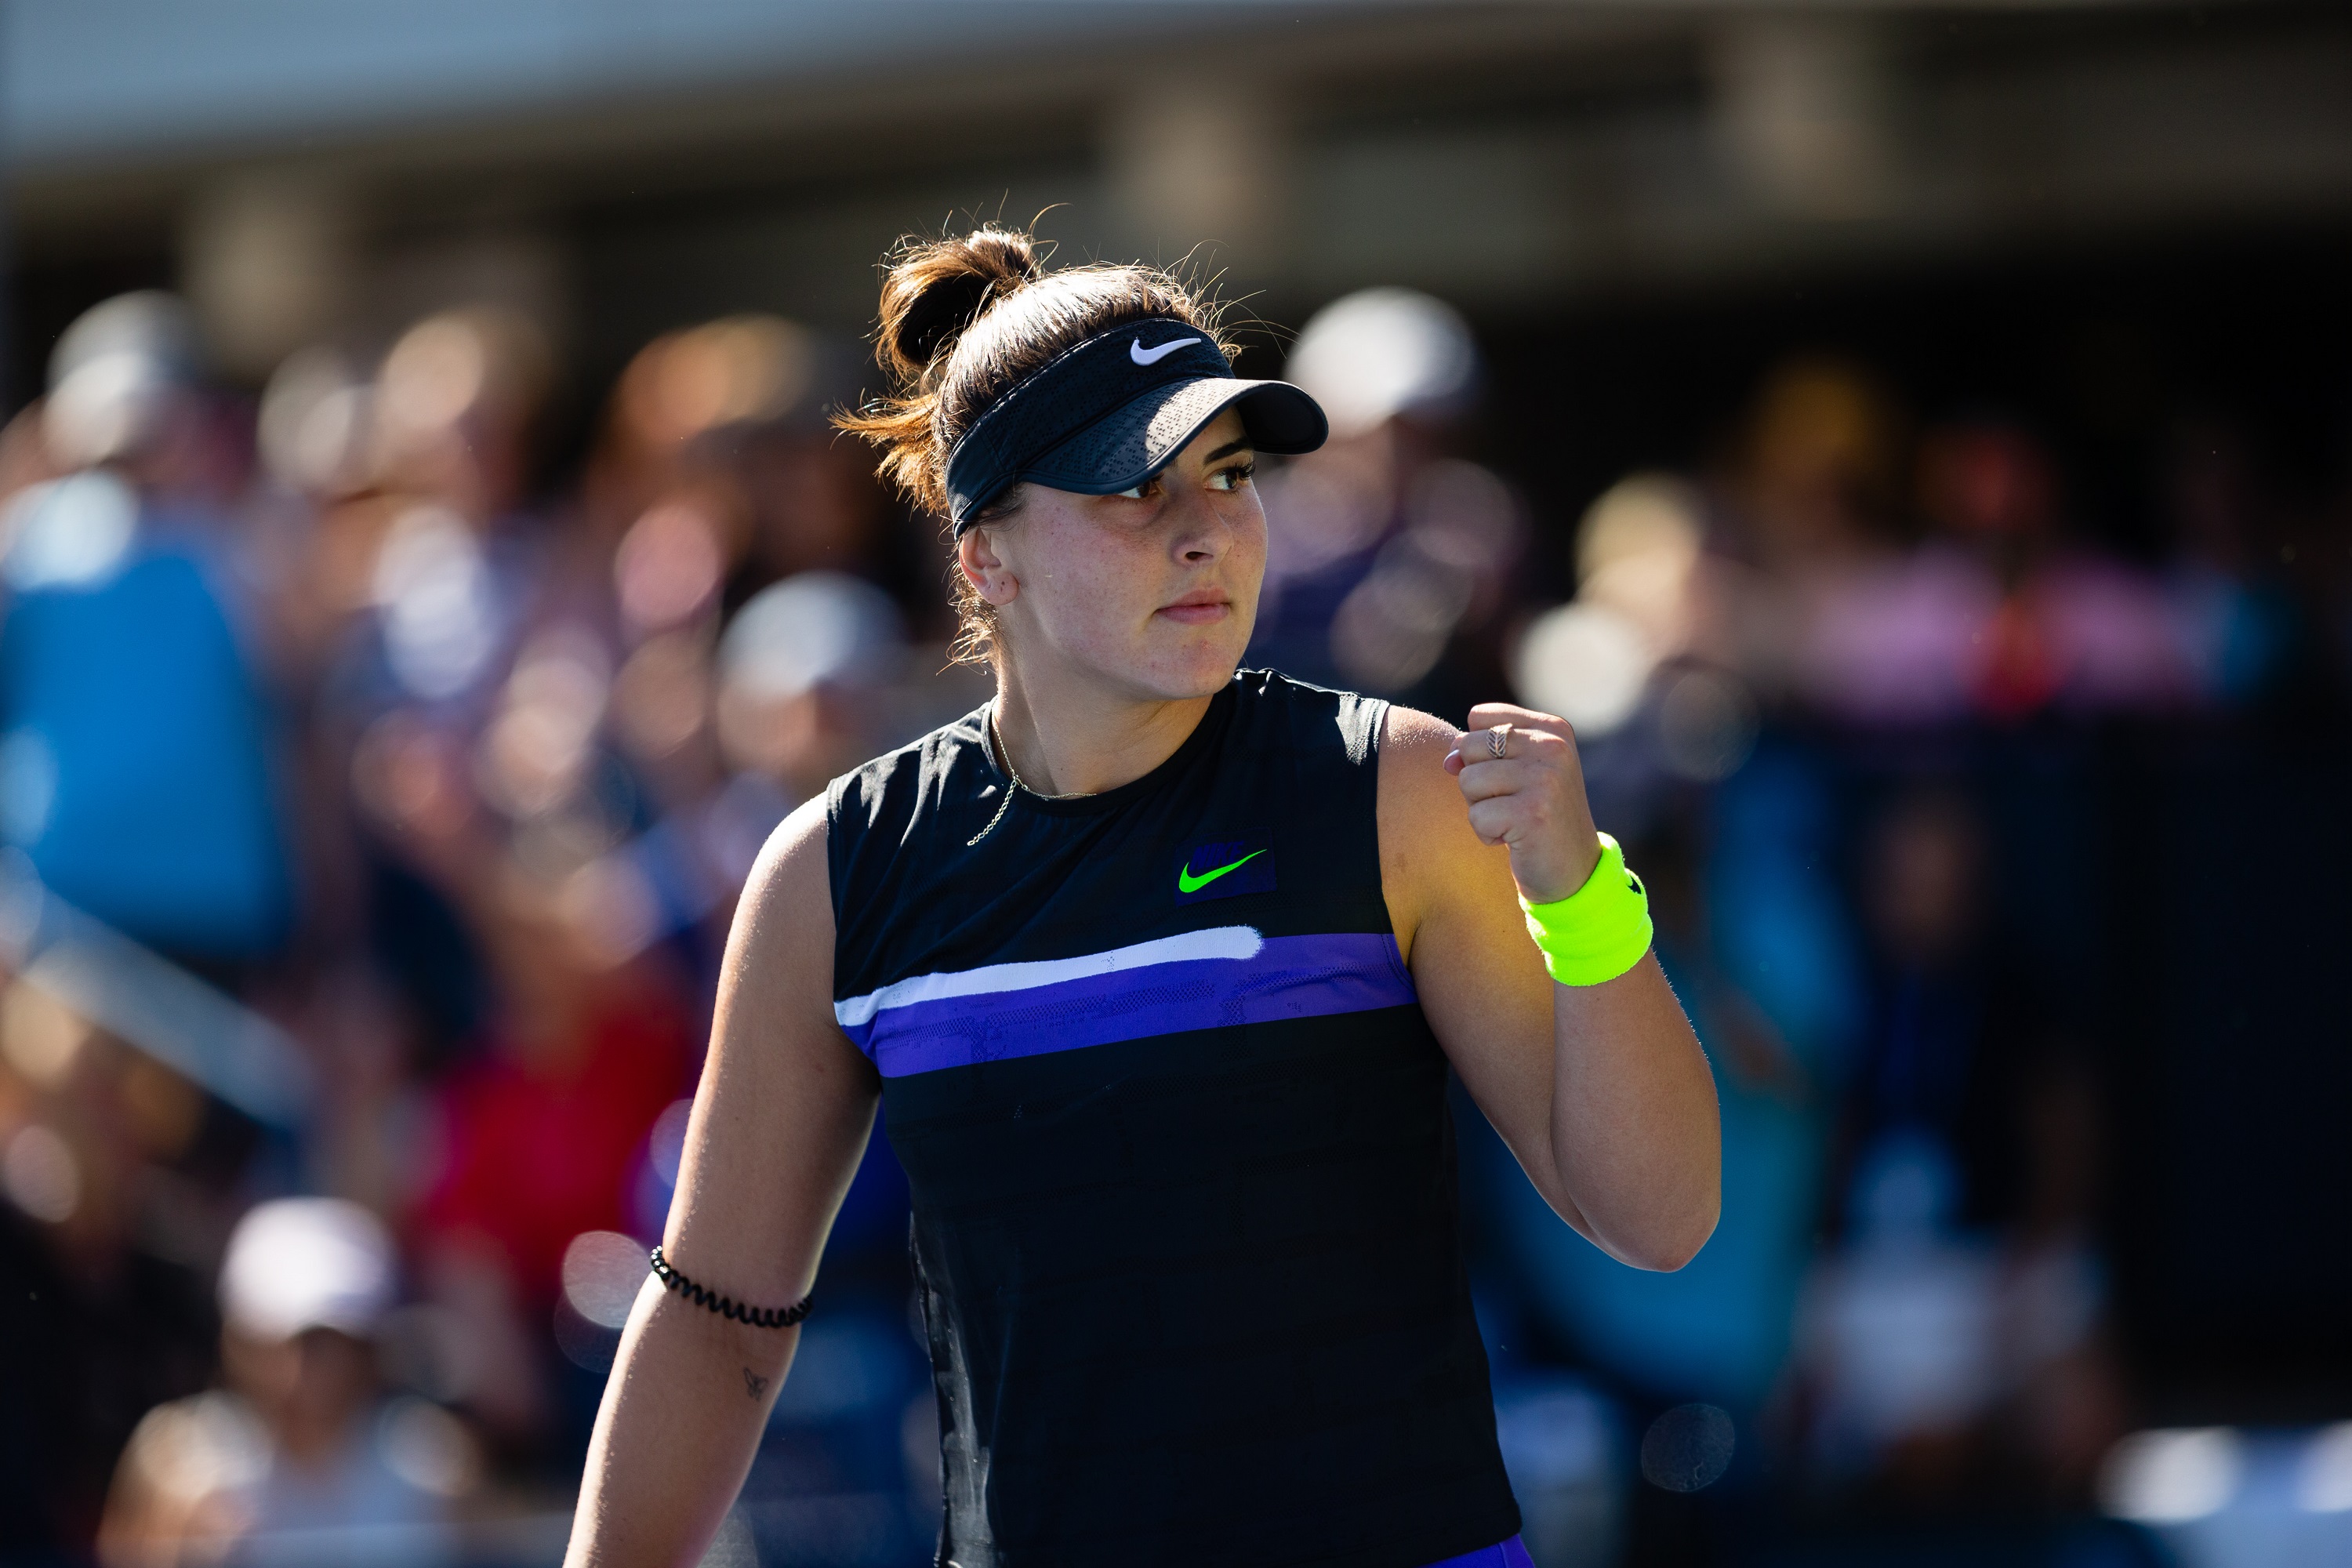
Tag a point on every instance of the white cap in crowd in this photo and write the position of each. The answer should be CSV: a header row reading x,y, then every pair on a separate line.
x,y
114,371
1371,355
307,1263
812,629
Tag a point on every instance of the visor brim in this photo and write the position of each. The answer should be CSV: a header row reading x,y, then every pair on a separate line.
x,y
1144,435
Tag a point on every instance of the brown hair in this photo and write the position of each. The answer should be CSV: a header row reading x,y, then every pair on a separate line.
x,y
965,318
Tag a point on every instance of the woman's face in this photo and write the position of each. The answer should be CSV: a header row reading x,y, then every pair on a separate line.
x,y
1151,592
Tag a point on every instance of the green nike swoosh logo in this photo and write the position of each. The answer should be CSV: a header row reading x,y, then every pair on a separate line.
x,y
1188,883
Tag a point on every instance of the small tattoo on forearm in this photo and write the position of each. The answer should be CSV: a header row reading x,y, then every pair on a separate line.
x,y
753,1383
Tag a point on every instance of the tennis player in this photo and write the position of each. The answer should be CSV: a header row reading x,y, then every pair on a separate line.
x,y
1157,966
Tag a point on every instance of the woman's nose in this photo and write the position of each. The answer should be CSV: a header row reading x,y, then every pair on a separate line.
x,y
1204,534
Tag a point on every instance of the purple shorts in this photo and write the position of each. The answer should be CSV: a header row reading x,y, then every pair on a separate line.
x,y
1508,1554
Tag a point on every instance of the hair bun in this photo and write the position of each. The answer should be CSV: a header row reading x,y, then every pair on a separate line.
x,y
938,289
934,291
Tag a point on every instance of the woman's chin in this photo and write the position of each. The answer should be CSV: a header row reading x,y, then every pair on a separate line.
x,y
1194,672
1206,661
1169,663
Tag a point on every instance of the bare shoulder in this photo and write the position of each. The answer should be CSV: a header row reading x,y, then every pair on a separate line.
x,y
1424,824
781,943
792,872
785,1098
1408,733
1415,790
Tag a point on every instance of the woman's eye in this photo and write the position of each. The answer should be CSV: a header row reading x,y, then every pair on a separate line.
x,y
1233,478
1132,492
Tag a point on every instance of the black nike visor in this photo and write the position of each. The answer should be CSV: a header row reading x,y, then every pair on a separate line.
x,y
1108,413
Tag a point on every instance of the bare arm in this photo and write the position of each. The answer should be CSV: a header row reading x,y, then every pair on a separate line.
x,y
1600,1090
780,1122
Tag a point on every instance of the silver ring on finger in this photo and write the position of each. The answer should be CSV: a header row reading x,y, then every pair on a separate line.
x,y
1498,742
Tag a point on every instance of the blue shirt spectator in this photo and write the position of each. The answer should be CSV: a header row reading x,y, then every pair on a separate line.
x,y
134,766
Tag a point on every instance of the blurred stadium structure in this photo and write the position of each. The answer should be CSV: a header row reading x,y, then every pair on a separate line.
x,y
1914,443
298,169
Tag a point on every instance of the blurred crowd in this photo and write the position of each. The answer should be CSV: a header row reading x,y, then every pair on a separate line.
x,y
432,752
445,773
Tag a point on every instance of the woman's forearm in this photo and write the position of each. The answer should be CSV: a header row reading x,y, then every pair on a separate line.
x,y
1600,1090
681,1419
1634,1130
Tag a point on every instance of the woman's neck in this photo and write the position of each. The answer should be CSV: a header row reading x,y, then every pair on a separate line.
x,y
1085,742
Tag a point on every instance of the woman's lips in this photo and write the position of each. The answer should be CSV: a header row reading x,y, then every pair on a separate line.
x,y
1198,610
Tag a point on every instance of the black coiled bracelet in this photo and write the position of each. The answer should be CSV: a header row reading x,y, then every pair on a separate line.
x,y
703,1296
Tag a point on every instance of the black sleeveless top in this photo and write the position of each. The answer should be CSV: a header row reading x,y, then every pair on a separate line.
x,y
1185,1220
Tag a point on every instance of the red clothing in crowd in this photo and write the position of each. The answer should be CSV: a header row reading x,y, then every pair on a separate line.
x,y
533,1155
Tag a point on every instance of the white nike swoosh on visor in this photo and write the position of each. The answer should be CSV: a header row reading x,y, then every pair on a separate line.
x,y
1142,355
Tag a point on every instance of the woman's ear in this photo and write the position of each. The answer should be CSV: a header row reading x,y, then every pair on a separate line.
x,y
990,577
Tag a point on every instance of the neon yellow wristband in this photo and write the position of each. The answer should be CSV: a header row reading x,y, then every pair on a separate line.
x,y
1600,930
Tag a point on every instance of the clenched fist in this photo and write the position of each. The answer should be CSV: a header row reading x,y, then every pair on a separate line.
x,y
1518,770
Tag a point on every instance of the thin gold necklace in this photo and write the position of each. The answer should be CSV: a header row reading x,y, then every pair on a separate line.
x,y
1003,755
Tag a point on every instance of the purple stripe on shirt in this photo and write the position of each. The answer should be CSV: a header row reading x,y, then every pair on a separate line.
x,y
1511,1553
1290,977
